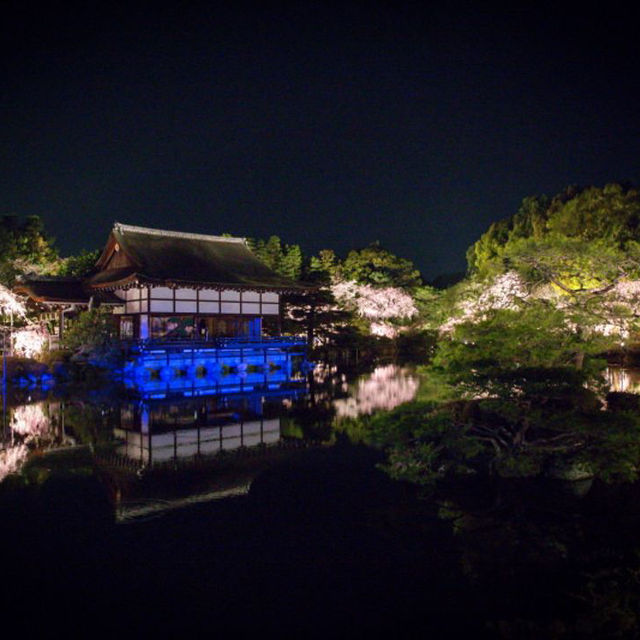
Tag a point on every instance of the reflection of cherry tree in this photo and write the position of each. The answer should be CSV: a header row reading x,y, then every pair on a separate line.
x,y
322,371
627,380
328,374
30,428
386,388
12,459
31,423
329,382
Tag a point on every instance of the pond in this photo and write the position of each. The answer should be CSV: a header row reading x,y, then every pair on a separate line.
x,y
182,425
245,514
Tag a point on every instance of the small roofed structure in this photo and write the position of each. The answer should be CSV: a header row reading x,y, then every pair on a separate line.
x,y
54,291
57,297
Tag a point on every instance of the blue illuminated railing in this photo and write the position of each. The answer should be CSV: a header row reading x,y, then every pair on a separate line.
x,y
267,341
156,368
274,342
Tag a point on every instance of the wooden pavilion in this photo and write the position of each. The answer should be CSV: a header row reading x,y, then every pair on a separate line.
x,y
174,291
186,285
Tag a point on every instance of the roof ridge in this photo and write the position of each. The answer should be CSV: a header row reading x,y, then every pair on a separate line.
x,y
27,278
124,228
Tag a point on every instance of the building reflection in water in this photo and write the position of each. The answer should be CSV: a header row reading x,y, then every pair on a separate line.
x,y
155,432
164,449
191,450
155,454
142,432
623,380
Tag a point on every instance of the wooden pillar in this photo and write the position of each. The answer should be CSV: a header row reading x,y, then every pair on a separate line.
x,y
280,315
311,322
175,441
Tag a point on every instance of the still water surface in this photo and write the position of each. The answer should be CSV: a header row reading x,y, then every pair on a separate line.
x,y
172,428
249,515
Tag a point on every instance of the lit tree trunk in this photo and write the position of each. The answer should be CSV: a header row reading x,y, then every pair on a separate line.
x,y
311,320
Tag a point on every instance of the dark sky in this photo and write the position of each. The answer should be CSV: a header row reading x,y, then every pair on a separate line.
x,y
415,126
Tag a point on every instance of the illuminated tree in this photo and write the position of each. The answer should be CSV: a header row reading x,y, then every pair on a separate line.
x,y
79,265
28,338
551,289
324,267
24,248
529,222
316,315
285,260
383,307
376,266
30,341
291,262
370,293
11,304
610,215
530,393
579,251
91,333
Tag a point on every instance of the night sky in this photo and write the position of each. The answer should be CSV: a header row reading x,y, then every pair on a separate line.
x,y
415,126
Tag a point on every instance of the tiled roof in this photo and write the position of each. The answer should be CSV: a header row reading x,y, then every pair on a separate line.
x,y
171,257
60,290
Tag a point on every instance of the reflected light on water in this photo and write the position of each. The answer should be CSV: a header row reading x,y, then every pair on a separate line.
x,y
12,460
386,388
623,380
156,431
30,428
322,372
30,421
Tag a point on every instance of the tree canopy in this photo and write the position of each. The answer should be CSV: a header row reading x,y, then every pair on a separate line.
x,y
24,248
376,266
285,259
528,391
79,265
369,293
609,216
579,250
519,365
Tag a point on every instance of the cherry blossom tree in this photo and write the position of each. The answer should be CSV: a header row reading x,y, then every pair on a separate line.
x,y
381,306
27,340
11,305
